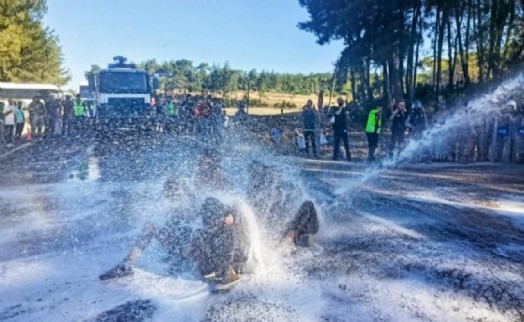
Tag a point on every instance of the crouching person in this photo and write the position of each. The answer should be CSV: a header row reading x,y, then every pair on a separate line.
x,y
304,225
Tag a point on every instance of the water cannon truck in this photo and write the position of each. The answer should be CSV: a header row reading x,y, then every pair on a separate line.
x,y
122,95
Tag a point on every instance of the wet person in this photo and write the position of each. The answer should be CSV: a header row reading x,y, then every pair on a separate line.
x,y
417,120
310,121
340,129
209,174
373,127
274,199
219,250
398,127
304,226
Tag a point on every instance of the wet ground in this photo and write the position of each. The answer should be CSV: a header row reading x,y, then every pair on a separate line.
x,y
419,242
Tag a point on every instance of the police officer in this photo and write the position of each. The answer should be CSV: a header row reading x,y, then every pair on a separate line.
x,y
398,127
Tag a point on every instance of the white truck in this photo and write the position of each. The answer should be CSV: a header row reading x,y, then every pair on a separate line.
x,y
122,95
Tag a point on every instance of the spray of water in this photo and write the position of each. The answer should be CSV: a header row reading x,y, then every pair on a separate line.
x,y
463,117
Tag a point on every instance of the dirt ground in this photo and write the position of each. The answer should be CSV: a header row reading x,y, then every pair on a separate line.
x,y
414,242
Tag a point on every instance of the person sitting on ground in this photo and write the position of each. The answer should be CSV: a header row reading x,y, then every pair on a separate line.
x,y
274,199
305,224
209,175
219,250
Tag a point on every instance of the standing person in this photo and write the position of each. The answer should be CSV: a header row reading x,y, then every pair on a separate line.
x,y
53,112
398,127
171,113
2,122
417,120
340,129
79,108
310,118
20,121
37,115
68,115
226,119
203,114
373,126
217,120
9,123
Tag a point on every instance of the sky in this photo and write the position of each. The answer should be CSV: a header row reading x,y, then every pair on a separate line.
x,y
260,34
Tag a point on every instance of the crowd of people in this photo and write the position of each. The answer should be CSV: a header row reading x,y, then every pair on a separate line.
x,y
46,115
484,140
211,236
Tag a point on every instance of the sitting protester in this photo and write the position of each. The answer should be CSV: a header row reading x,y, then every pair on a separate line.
x,y
209,175
304,225
219,249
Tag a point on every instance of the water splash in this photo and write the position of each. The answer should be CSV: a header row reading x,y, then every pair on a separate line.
x,y
462,117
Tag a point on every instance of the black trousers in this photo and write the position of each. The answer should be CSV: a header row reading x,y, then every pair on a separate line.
x,y
372,144
341,135
310,135
19,129
8,133
397,139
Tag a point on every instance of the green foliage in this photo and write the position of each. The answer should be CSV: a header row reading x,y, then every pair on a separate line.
x,y
471,41
224,80
29,52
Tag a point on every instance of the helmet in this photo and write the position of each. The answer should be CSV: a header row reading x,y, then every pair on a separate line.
x,y
417,105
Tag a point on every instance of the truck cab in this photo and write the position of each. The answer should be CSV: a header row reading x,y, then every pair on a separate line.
x,y
122,95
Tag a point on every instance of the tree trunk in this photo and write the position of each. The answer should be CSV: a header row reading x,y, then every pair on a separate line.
x,y
353,85
387,87
396,82
439,49
435,44
413,41
477,26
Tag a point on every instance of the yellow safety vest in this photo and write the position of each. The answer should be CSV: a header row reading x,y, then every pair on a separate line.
x,y
372,122
78,108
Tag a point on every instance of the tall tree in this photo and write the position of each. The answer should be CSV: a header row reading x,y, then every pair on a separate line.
x,y
29,52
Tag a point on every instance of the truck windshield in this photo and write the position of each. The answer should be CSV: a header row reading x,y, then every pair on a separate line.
x,y
123,83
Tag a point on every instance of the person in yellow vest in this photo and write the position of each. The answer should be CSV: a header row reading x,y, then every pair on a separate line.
x,y
373,127
79,109
171,113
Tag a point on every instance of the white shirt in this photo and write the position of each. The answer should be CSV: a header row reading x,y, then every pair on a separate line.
x,y
10,118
